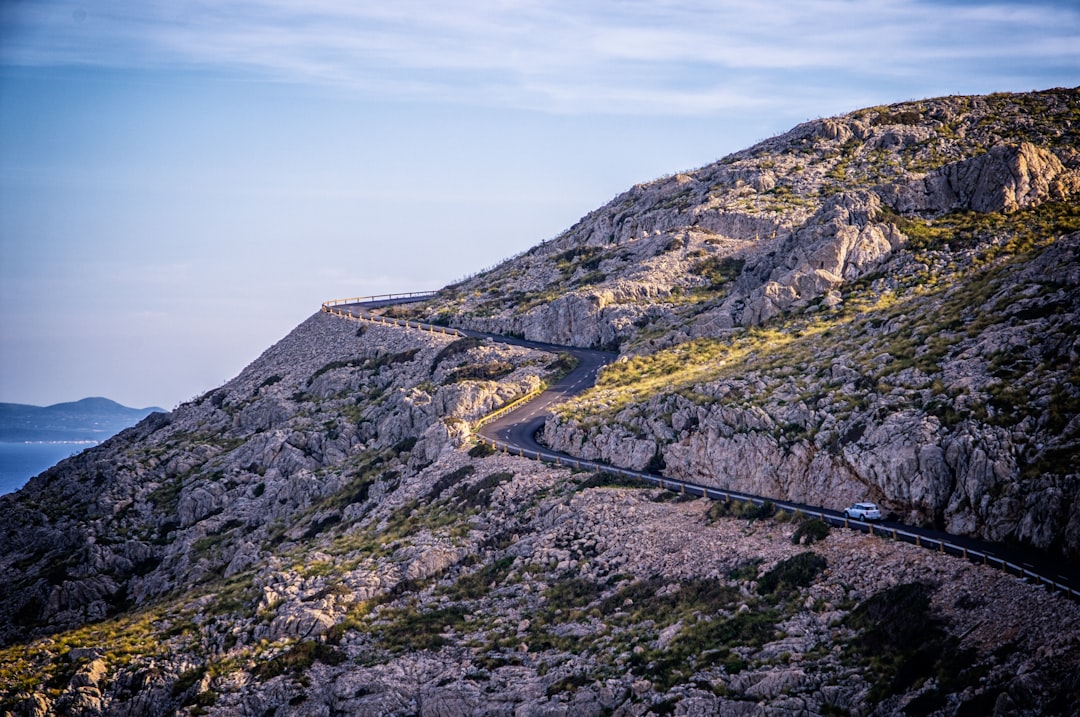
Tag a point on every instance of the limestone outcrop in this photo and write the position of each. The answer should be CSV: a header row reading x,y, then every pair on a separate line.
x,y
1007,178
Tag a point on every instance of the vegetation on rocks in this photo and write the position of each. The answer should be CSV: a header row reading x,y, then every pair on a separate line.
x,y
875,306
915,329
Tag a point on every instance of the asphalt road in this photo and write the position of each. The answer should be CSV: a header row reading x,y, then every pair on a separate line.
x,y
519,427
517,430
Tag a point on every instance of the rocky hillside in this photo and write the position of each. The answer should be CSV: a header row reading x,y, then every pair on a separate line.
x,y
882,305
787,224
322,536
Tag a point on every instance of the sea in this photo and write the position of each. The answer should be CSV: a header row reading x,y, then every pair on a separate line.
x,y
19,462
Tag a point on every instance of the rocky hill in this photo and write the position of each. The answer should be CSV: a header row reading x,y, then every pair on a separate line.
x,y
882,305
879,305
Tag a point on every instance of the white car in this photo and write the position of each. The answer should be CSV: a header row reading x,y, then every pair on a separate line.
x,y
863,511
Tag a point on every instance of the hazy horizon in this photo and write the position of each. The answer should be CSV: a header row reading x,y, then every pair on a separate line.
x,y
182,184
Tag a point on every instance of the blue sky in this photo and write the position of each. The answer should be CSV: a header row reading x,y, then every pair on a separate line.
x,y
181,183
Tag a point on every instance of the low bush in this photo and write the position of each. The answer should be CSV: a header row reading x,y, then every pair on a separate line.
x,y
457,347
789,575
450,479
479,494
745,509
603,479
298,659
480,372
568,684
897,618
481,450
473,586
901,642
412,631
809,531
571,594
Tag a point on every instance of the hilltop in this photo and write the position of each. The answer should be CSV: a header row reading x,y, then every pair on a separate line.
x,y
879,305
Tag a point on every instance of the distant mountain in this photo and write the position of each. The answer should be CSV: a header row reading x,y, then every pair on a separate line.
x,y
91,419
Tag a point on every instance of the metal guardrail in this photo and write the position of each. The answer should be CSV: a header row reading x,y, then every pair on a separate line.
x,y
404,323
411,295
508,408
686,488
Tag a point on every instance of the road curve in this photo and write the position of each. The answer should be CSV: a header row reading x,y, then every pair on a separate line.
x,y
515,431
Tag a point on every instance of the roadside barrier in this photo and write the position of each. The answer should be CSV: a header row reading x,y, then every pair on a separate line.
x,y
363,316
398,298
513,405
685,488
939,545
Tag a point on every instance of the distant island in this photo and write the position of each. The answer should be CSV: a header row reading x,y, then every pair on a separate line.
x,y
91,419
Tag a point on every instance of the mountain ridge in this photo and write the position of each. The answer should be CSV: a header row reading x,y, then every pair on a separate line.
x,y
814,315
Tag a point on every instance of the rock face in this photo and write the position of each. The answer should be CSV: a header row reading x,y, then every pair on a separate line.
x,y
1004,179
844,241
881,305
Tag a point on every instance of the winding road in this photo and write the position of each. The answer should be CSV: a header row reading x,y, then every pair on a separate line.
x,y
514,428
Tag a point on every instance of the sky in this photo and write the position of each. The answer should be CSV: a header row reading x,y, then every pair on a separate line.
x,y
182,183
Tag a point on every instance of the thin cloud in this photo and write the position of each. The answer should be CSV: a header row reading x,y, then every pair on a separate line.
x,y
678,57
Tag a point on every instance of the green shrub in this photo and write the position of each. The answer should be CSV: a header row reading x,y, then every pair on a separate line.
x,y
457,347
563,364
719,272
333,366
572,593
568,684
480,372
745,571
479,494
412,631
297,659
901,643
789,575
481,450
475,585
603,479
809,531
455,476
187,680
694,596
706,643
745,509
897,618
270,381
